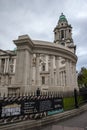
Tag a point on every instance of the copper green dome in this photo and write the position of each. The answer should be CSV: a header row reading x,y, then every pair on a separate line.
x,y
62,18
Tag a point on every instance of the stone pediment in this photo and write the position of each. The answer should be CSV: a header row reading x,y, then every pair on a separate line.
x,y
3,52
6,53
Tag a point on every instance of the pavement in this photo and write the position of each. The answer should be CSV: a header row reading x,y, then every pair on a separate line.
x,y
55,127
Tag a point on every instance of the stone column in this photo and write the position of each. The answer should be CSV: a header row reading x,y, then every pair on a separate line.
x,y
67,73
22,73
64,78
46,63
37,71
7,65
0,65
23,64
57,72
71,74
75,75
34,75
51,72
14,65
27,68
61,78
19,67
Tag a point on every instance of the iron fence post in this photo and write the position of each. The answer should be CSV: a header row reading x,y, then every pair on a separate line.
x,y
76,98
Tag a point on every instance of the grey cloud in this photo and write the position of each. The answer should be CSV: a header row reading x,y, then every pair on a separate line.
x,y
37,18
82,62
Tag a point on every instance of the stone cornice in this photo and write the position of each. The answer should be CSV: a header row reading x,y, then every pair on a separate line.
x,y
53,49
25,41
43,47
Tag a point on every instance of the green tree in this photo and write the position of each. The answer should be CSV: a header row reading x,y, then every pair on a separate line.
x,y
82,77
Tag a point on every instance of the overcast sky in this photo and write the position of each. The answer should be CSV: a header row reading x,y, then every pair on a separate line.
x,y
37,18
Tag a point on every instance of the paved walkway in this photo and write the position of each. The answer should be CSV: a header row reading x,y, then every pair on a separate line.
x,y
65,128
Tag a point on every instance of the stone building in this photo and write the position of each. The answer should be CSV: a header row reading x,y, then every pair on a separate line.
x,y
50,66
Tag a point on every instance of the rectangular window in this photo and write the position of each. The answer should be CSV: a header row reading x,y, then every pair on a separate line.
x,y
11,68
43,68
11,61
43,80
11,65
9,80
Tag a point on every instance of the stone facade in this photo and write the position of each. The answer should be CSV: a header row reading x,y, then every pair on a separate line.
x,y
7,70
49,66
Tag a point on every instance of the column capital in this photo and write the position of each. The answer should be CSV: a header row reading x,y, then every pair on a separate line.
x,y
51,57
67,60
37,55
56,57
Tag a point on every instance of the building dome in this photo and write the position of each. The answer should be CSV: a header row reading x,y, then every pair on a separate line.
x,y
62,18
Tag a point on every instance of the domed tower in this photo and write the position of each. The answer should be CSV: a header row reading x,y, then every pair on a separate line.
x,y
63,32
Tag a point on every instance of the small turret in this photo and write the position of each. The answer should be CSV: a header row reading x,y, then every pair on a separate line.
x,y
62,18
63,32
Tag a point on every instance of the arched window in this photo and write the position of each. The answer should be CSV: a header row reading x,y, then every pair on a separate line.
x,y
69,31
62,34
63,44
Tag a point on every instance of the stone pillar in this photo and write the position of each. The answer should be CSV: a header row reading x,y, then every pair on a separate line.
x,y
67,73
14,65
46,63
0,65
61,78
19,67
71,74
75,75
34,75
33,69
23,64
57,72
22,73
27,68
37,71
64,78
7,65
51,71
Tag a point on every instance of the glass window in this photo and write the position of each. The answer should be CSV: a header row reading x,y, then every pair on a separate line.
x,y
69,31
63,44
43,67
11,68
9,80
43,80
62,34
11,61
